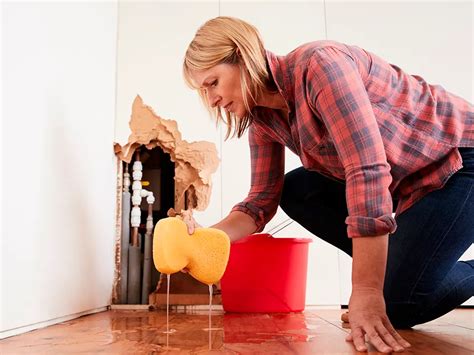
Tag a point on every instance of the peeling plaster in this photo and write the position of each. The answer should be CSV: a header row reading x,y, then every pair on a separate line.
x,y
195,162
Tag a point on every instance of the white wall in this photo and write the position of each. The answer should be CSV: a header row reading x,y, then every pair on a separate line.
x,y
58,166
429,38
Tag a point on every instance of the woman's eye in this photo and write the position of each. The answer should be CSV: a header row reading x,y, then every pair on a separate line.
x,y
214,83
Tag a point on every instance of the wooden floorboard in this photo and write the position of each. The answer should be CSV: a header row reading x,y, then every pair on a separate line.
x,y
311,332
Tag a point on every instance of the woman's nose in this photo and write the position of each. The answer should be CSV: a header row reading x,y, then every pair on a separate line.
x,y
213,100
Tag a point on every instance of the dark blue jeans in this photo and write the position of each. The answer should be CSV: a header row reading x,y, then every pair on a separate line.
x,y
424,278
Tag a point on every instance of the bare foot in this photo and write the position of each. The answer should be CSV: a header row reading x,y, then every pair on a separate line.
x,y
345,317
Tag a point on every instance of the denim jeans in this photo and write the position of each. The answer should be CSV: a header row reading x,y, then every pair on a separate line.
x,y
424,278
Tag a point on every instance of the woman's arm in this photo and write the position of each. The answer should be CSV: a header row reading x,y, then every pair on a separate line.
x,y
237,225
367,314
261,203
267,159
369,260
340,99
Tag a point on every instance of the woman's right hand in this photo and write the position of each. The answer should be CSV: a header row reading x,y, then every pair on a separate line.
x,y
187,217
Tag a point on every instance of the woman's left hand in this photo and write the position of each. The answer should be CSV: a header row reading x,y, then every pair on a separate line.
x,y
367,316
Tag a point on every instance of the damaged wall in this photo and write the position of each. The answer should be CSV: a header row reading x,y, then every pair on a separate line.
x,y
195,162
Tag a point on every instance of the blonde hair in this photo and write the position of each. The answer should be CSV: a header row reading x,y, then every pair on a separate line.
x,y
229,40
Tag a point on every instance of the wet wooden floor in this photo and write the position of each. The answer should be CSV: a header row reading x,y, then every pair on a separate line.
x,y
312,332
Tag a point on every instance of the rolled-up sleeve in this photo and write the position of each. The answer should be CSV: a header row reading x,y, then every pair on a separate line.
x,y
338,96
267,175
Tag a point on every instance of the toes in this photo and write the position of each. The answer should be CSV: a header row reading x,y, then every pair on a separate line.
x,y
345,317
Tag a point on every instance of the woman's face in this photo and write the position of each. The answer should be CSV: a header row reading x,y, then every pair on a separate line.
x,y
222,86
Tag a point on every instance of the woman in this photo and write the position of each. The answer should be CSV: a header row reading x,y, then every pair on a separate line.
x,y
373,140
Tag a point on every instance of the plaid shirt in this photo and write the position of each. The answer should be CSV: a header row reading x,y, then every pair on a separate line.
x,y
358,119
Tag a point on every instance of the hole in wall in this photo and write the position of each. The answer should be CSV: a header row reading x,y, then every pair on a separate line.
x,y
179,175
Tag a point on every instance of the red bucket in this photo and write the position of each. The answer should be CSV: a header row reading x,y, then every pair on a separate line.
x,y
266,274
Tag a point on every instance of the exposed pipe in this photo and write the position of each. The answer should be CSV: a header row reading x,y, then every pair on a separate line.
x,y
133,292
147,260
134,271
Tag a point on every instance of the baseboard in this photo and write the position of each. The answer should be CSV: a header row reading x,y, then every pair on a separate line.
x,y
28,328
130,307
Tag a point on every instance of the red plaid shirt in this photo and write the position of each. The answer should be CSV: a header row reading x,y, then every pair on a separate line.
x,y
356,118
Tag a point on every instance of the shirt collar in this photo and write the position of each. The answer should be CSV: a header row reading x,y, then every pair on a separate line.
x,y
277,65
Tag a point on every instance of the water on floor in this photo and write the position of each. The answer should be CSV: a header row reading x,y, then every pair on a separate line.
x,y
144,332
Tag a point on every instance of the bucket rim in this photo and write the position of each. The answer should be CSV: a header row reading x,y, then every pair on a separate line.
x,y
258,237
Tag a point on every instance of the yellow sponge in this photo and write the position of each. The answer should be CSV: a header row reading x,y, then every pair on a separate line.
x,y
205,253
